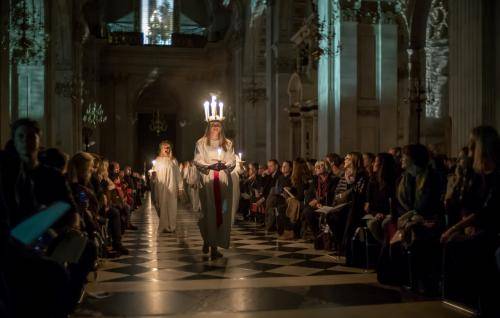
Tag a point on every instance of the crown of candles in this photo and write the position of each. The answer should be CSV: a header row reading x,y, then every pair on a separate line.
x,y
212,113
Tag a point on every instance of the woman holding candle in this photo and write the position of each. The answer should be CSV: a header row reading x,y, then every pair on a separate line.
x,y
214,157
169,185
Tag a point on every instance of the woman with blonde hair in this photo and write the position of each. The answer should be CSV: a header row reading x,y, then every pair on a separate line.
x,y
215,159
169,187
79,173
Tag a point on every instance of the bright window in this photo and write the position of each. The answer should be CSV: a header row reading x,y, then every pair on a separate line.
x,y
157,21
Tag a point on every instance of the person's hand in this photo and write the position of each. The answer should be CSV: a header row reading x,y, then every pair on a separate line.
x,y
313,203
379,216
445,237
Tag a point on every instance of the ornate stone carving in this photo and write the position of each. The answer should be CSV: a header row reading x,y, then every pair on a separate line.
x,y
437,59
437,23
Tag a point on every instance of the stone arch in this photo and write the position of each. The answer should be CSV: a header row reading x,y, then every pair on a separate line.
x,y
294,90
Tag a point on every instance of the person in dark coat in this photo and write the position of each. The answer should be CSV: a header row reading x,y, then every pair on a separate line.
x,y
321,192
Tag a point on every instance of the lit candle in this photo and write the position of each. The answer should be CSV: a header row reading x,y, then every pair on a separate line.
x,y
219,153
154,162
221,108
240,155
214,108
206,104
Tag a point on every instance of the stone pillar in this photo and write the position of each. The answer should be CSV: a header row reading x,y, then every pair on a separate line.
x,y
177,17
328,101
348,110
314,141
387,84
282,121
295,134
471,90
123,134
238,99
270,82
303,131
63,91
4,78
415,62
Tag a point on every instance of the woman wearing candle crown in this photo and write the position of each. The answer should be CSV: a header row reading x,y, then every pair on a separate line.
x,y
214,157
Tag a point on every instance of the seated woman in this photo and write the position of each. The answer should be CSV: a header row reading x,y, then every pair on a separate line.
x,y
107,210
420,219
321,192
352,189
471,244
381,194
79,173
292,217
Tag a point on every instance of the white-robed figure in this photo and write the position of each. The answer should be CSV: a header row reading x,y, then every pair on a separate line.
x,y
214,158
169,186
193,185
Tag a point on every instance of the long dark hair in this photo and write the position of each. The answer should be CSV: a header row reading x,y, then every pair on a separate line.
x,y
386,174
222,137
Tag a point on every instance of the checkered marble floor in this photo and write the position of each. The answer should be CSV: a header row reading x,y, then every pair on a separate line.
x,y
253,253
259,276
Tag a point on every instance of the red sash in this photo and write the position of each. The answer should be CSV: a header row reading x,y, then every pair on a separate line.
x,y
217,197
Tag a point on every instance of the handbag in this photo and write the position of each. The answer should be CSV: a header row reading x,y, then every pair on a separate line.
x,y
324,240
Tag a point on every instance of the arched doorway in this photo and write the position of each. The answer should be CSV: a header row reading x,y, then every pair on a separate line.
x,y
156,120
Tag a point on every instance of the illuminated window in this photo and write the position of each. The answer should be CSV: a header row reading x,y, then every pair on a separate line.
x,y
157,21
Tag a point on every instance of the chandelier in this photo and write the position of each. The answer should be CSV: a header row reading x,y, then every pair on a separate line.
x,y
26,36
157,124
94,116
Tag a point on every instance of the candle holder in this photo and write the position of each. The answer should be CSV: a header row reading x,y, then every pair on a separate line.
x,y
212,113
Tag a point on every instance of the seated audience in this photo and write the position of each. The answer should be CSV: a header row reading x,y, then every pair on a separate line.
x,y
381,195
251,189
36,285
471,243
321,192
368,159
292,217
420,219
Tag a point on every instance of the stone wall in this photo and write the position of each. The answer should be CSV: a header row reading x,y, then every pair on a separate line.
x,y
173,81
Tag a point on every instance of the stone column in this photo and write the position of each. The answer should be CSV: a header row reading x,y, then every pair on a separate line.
x,y
471,90
238,98
4,78
270,82
314,141
387,84
303,131
348,110
123,135
177,17
282,122
415,62
328,101
62,87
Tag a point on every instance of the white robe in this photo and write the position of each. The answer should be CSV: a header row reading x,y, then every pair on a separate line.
x,y
204,156
235,175
193,183
168,183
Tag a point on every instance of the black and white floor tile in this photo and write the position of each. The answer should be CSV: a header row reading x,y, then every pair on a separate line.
x,y
167,274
